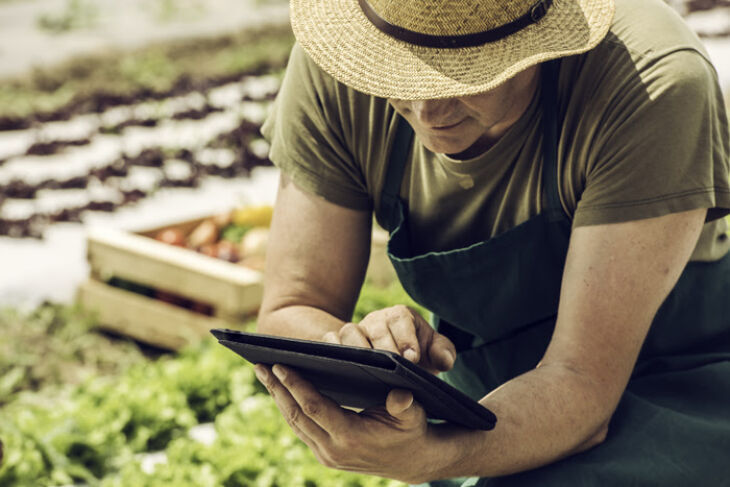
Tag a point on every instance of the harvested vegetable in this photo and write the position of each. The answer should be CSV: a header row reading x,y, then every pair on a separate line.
x,y
206,233
237,236
254,216
254,242
228,251
234,232
171,236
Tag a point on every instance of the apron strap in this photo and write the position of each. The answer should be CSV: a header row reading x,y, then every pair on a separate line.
x,y
549,100
390,195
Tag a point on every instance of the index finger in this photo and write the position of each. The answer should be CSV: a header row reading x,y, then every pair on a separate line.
x,y
403,330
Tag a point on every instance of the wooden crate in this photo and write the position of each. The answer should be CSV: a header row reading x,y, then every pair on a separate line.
x,y
231,291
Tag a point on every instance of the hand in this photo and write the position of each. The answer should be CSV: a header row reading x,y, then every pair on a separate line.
x,y
401,330
393,442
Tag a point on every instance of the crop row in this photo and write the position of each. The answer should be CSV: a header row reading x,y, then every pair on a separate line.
x,y
101,432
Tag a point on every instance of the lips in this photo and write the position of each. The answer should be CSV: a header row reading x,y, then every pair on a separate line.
x,y
446,127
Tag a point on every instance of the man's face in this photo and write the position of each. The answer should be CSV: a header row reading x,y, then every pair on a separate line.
x,y
467,126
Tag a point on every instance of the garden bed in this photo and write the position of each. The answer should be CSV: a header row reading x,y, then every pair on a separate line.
x,y
140,423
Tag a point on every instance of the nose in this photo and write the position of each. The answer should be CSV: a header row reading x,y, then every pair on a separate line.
x,y
434,112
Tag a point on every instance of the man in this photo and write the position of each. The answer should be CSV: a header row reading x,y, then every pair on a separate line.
x,y
546,170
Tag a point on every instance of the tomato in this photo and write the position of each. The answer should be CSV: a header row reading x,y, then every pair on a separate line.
x,y
171,236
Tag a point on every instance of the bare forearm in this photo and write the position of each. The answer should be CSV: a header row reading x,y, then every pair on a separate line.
x,y
616,277
305,322
546,414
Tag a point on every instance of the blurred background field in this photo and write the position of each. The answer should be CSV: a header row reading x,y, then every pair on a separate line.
x,y
132,115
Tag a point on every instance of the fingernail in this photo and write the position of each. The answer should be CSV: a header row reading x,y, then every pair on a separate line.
x,y
261,374
409,403
279,372
410,354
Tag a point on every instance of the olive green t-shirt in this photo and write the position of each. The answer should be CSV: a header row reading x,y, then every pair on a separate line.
x,y
643,133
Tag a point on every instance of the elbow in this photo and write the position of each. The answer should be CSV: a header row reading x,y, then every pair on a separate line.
x,y
594,440
599,436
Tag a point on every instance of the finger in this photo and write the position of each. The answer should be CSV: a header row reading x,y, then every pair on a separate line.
x,y
307,429
401,406
404,333
351,334
324,412
377,331
441,352
331,337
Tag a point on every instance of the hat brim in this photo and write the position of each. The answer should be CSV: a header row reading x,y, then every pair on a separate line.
x,y
346,45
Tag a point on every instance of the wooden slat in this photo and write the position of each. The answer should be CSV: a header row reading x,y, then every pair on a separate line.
x,y
146,319
231,289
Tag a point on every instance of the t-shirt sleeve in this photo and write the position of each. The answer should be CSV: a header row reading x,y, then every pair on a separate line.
x,y
661,146
307,138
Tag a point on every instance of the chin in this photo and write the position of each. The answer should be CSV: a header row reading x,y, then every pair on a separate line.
x,y
447,149
447,144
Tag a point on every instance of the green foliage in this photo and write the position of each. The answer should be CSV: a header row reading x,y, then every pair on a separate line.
x,y
151,70
54,345
94,433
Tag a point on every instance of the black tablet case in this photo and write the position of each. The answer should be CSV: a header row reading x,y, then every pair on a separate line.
x,y
360,377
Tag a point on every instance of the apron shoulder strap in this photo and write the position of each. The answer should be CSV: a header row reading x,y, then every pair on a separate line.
x,y
549,101
394,176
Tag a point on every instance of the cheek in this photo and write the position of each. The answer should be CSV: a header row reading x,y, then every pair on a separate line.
x,y
475,108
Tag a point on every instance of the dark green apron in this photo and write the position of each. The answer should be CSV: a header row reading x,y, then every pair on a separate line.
x,y
498,300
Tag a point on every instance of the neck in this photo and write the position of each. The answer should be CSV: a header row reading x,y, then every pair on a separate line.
x,y
517,98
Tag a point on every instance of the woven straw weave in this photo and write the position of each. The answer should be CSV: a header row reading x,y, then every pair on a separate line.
x,y
449,17
345,44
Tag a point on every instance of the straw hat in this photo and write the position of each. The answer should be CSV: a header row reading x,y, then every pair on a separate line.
x,y
420,49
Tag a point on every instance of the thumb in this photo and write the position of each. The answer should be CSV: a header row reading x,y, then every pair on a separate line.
x,y
401,406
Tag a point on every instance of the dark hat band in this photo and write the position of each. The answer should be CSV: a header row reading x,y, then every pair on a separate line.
x,y
536,12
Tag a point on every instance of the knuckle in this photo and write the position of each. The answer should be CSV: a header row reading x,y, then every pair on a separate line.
x,y
348,328
401,310
289,381
318,454
327,461
374,329
293,416
377,315
311,408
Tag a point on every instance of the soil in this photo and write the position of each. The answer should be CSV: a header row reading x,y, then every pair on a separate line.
x,y
53,147
699,5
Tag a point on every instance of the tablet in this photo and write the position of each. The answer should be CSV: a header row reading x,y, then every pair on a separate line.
x,y
360,377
